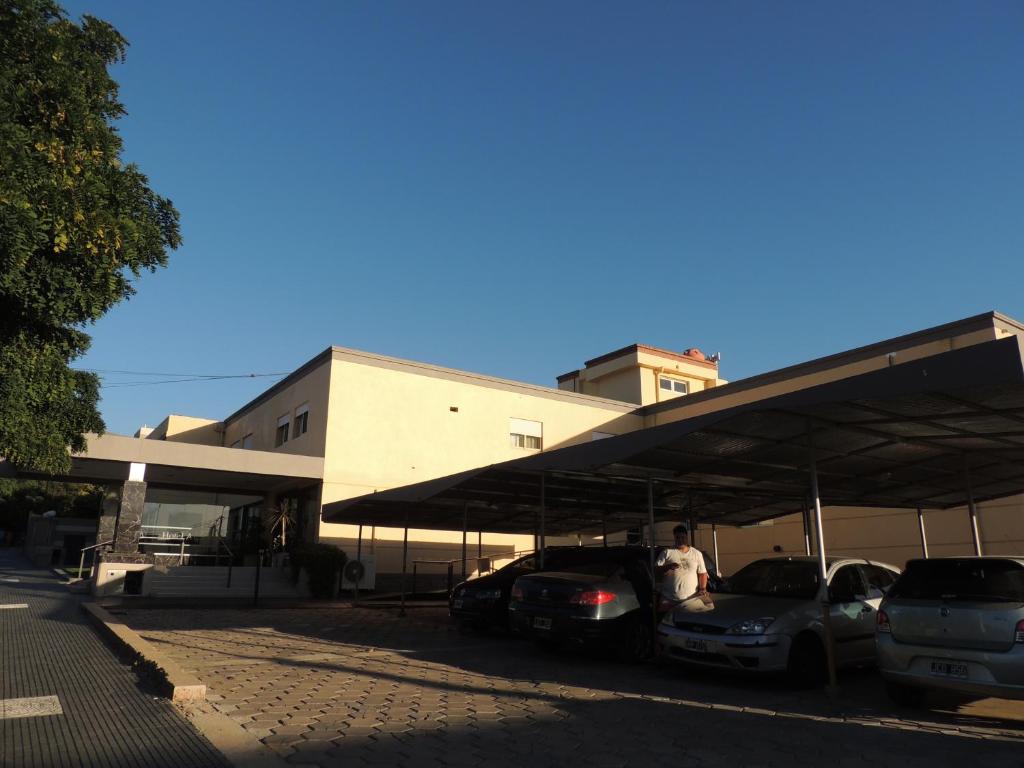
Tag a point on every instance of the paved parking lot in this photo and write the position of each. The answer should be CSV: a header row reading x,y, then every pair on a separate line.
x,y
357,686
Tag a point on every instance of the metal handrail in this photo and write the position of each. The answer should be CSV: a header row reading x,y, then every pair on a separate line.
x,y
231,557
92,565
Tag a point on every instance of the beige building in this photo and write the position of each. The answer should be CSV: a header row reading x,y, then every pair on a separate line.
x,y
379,422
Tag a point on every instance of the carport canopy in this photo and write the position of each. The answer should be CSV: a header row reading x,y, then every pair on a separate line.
x,y
932,433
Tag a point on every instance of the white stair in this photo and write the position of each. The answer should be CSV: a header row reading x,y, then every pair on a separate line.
x,y
211,581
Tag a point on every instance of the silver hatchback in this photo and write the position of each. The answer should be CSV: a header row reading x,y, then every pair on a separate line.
x,y
768,618
957,624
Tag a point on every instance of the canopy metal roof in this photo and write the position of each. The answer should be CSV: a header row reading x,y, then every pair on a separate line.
x,y
903,436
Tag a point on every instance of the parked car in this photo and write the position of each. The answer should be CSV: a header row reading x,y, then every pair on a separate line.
x,y
956,624
767,618
483,602
605,602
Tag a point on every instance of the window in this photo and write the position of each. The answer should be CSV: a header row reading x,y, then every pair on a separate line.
x,y
673,385
879,579
600,435
247,442
301,420
846,585
281,436
526,434
236,444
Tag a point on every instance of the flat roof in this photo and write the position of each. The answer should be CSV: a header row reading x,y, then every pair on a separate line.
x,y
902,436
170,464
979,322
434,371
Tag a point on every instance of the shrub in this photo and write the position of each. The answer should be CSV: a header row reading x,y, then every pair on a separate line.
x,y
323,563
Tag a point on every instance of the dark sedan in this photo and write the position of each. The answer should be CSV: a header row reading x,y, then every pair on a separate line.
x,y
602,603
483,602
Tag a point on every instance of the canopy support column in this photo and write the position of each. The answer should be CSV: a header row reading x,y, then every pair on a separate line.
x,y
405,560
654,580
714,544
465,524
826,605
807,528
479,544
920,527
543,514
604,529
359,559
972,509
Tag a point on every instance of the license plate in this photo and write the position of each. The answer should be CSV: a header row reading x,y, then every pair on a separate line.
x,y
456,603
700,646
539,622
949,669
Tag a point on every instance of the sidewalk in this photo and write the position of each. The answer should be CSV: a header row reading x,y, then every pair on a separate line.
x,y
65,699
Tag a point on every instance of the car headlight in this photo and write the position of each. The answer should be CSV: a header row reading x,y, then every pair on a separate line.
x,y
751,626
489,594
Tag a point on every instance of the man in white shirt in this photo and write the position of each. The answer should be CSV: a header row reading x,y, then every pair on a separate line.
x,y
682,570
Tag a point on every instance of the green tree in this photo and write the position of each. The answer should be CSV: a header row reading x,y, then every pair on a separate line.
x,y
76,224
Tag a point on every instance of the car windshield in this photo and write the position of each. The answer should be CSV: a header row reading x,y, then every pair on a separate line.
x,y
775,578
967,579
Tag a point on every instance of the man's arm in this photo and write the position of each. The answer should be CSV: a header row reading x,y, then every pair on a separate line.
x,y
702,573
662,565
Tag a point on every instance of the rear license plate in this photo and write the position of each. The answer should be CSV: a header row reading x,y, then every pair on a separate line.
x,y
949,669
456,603
539,622
700,646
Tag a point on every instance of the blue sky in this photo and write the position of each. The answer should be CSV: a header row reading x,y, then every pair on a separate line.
x,y
513,188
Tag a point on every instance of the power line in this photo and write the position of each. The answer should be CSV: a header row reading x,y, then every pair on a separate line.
x,y
195,375
180,377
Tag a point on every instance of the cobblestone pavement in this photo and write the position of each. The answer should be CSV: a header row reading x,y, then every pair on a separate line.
x,y
355,686
65,699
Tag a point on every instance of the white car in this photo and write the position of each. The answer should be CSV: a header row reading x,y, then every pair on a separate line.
x,y
767,618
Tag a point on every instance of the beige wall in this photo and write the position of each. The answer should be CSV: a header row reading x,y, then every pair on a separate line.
x,y
188,429
633,376
888,535
261,420
392,426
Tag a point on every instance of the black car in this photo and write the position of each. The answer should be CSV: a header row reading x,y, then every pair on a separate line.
x,y
483,602
602,602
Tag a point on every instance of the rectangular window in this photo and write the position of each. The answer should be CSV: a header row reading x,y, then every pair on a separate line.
x,y
524,433
301,421
236,444
281,436
676,386
247,442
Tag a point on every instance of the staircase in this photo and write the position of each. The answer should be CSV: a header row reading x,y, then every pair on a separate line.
x,y
211,581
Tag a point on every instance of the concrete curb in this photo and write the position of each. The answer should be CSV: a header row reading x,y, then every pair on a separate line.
x,y
239,747
176,682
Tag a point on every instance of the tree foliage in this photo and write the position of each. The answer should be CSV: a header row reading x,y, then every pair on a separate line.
x,y
19,498
76,224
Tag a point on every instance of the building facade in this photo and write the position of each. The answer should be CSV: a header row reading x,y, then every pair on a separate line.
x,y
379,422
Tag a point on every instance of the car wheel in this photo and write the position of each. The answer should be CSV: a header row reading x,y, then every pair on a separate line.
x,y
807,666
636,641
905,695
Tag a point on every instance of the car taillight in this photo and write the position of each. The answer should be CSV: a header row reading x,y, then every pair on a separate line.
x,y
597,597
882,622
517,593
1018,636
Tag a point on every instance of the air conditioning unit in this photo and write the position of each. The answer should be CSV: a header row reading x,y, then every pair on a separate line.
x,y
368,577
